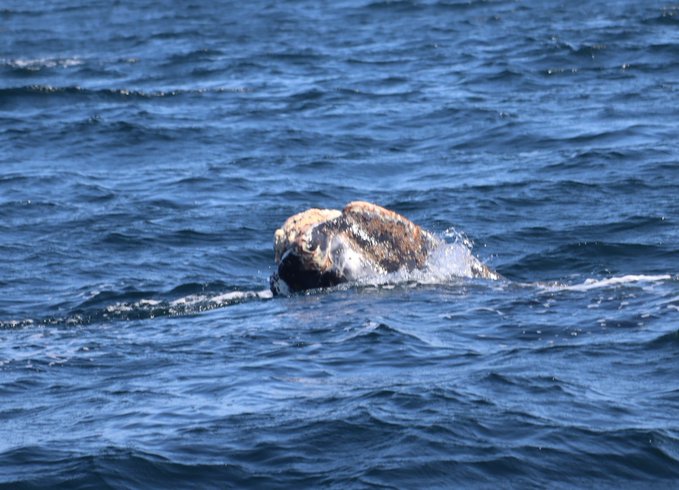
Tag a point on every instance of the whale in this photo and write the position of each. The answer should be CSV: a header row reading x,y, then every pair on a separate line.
x,y
320,248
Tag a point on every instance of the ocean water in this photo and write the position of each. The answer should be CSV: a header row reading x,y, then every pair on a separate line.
x,y
149,149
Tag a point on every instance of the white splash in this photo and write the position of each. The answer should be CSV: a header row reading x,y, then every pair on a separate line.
x,y
447,263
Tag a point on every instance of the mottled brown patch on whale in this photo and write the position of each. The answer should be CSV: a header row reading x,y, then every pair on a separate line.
x,y
387,238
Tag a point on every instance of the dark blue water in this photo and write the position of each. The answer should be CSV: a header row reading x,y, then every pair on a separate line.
x,y
148,151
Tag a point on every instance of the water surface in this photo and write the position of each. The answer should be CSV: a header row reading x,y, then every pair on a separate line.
x,y
149,151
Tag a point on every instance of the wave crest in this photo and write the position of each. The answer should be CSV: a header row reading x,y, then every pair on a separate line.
x,y
147,307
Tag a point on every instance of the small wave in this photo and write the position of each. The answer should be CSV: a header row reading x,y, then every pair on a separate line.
x,y
40,63
667,339
125,93
210,302
147,307
667,16
372,331
589,284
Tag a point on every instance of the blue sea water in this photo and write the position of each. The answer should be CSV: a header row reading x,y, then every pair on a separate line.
x,y
149,149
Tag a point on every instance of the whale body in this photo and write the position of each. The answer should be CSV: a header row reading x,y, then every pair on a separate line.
x,y
320,248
